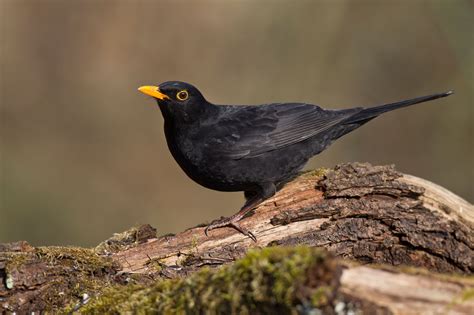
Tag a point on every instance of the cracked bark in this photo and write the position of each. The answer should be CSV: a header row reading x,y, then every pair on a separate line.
x,y
369,214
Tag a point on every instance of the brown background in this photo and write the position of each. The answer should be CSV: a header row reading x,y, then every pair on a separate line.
x,y
83,153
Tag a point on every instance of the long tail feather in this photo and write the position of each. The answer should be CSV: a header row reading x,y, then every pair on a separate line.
x,y
369,113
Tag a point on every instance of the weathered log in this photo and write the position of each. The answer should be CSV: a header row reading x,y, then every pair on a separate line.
x,y
370,214
280,280
358,211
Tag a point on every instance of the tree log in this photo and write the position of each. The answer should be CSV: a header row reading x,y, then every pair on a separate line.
x,y
372,215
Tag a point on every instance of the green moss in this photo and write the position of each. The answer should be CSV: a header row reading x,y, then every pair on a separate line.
x,y
319,172
155,265
467,295
87,278
320,296
15,261
119,241
82,259
86,273
194,244
267,280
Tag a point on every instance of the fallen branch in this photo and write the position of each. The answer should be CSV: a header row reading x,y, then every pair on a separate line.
x,y
370,214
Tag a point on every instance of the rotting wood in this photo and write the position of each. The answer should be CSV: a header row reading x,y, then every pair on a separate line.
x,y
358,211
371,214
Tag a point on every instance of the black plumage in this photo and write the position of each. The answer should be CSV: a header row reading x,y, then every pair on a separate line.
x,y
255,149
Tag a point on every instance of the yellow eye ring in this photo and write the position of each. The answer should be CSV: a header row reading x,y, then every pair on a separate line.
x,y
182,95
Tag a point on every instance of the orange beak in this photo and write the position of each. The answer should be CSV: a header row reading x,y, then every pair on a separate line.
x,y
153,91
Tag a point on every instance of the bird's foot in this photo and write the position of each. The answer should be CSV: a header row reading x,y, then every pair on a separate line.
x,y
231,222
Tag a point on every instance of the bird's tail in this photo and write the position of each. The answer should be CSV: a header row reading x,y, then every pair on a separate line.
x,y
369,113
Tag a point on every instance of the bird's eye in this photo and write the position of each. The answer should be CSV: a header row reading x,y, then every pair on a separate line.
x,y
182,95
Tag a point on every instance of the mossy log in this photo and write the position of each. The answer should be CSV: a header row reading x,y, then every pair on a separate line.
x,y
390,237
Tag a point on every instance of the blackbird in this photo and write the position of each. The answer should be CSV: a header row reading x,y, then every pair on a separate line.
x,y
254,149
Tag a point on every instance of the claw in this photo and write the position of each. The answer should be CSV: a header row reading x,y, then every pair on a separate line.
x,y
228,222
243,231
232,220
251,236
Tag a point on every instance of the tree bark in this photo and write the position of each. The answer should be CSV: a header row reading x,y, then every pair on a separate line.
x,y
368,214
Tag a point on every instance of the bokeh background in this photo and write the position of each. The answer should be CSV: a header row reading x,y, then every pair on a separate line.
x,y
83,154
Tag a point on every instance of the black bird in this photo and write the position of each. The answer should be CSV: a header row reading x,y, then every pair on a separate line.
x,y
254,149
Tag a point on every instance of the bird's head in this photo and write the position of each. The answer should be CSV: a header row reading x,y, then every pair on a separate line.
x,y
176,98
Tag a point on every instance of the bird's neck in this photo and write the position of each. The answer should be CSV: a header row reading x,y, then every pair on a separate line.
x,y
166,112
187,114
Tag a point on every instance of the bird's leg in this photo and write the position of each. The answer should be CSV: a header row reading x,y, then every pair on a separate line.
x,y
233,219
253,201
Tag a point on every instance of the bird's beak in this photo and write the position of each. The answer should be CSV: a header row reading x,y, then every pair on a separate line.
x,y
153,91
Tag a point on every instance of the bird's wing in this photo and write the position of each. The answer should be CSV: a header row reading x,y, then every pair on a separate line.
x,y
248,131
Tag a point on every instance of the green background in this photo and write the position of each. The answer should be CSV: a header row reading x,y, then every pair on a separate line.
x,y
83,152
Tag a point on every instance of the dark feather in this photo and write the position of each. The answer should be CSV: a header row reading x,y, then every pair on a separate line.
x,y
248,131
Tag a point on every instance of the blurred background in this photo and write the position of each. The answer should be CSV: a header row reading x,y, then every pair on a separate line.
x,y
83,154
